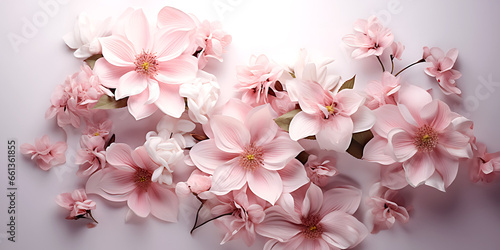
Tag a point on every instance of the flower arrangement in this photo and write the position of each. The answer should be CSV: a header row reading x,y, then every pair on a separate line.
x,y
263,163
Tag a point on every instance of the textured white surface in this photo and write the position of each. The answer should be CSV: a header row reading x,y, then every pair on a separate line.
x,y
465,217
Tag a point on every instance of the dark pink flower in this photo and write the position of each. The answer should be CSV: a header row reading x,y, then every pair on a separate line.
x,y
45,154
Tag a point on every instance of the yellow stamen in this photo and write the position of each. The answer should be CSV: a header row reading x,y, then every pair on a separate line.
x,y
330,109
142,179
96,134
426,137
145,66
250,157
313,228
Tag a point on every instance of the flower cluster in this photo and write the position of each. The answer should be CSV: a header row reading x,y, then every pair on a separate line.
x,y
263,163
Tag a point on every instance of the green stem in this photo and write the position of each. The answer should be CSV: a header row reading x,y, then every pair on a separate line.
x,y
215,218
381,64
417,62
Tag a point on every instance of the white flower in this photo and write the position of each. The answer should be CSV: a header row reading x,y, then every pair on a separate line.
x,y
202,95
86,32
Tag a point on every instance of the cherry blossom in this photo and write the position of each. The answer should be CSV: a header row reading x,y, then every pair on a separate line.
x,y
77,203
45,154
370,38
440,66
382,92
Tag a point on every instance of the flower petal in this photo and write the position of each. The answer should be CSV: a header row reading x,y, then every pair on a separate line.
x,y
344,198
279,152
402,144
172,44
227,178
109,74
303,125
207,157
137,31
230,134
164,203
277,225
179,70
293,176
418,169
437,115
120,155
376,150
342,230
138,202
313,201
137,106
388,118
130,84
169,101
335,133
118,51
350,100
265,184
363,119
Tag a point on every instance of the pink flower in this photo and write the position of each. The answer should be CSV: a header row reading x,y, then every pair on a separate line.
x,y
76,202
397,50
441,67
86,32
246,212
75,99
422,134
99,125
212,41
369,38
393,176
257,80
317,221
386,207
147,65
282,104
202,95
383,92
311,69
91,156
320,168
128,178
250,152
198,182
46,155
332,118
484,165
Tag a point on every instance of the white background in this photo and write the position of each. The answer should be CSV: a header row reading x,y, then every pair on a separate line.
x,y
465,217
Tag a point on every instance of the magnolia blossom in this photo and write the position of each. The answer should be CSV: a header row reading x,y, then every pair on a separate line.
x,y
317,221
244,211
332,118
320,168
382,92
202,94
422,134
370,38
86,34
386,206
440,65
147,64
76,202
45,154
250,151
74,100
257,80
91,156
212,41
484,165
128,178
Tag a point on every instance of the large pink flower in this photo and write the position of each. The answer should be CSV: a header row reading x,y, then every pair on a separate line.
x,y
250,152
128,178
317,221
441,67
147,65
332,118
369,38
45,154
424,135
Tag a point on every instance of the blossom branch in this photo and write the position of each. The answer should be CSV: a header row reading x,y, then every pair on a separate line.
x,y
381,64
417,62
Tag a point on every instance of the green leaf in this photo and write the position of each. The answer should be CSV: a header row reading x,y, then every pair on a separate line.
x,y
349,84
91,60
107,102
284,120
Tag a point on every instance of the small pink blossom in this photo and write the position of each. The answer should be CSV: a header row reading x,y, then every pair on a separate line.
x,y
250,151
424,135
257,80
397,50
331,117
128,178
99,125
370,38
317,221
386,206
440,66
212,41
76,202
45,154
320,168
485,165
382,92
91,156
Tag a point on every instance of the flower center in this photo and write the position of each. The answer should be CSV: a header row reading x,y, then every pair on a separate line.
x,y
426,138
96,134
142,178
330,109
252,157
311,227
146,63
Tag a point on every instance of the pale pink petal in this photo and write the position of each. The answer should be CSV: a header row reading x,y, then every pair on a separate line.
x,y
137,31
172,18
137,106
308,94
363,119
376,151
455,143
350,101
172,44
109,74
418,169
169,101
277,225
179,70
342,230
130,84
118,51
293,176
265,184
115,181
313,201
279,152
227,178
230,134
402,144
344,198
65,200
164,203
388,118
138,202
437,115
414,98
303,125
207,157
393,176
446,167
335,133
261,125
120,156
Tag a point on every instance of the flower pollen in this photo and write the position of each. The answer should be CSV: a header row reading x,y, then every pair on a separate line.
x,y
252,157
146,63
426,139
312,229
